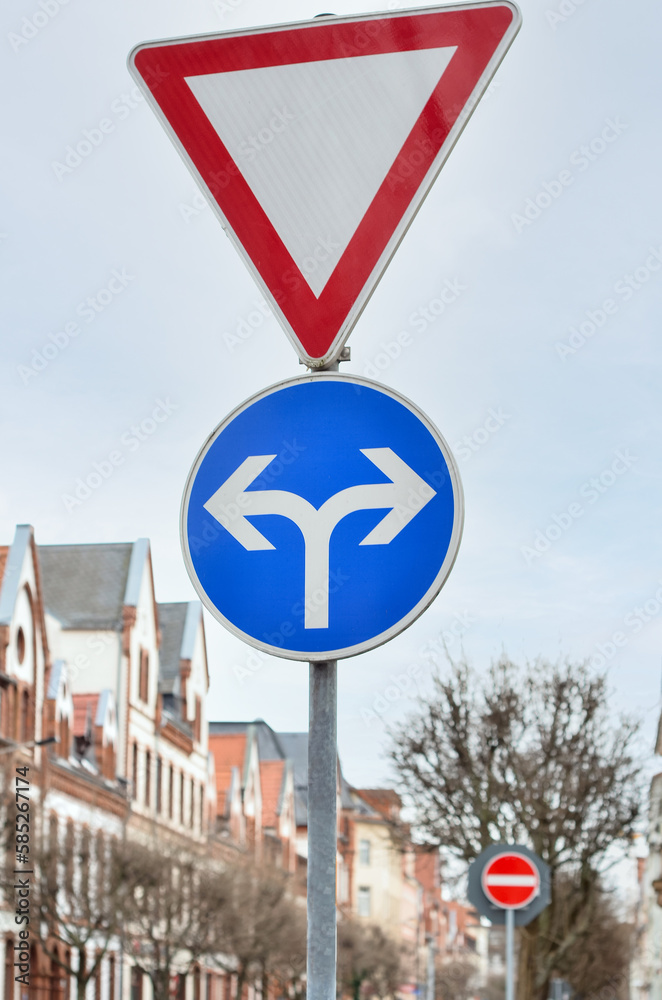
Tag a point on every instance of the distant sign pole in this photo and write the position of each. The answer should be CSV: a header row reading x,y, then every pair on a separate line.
x,y
510,955
509,884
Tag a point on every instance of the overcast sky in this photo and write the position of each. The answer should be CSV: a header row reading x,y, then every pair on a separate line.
x,y
534,417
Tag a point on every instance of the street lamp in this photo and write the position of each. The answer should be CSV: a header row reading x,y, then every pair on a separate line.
x,y
30,743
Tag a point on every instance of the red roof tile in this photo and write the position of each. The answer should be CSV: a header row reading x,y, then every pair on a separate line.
x,y
271,782
229,750
385,800
84,704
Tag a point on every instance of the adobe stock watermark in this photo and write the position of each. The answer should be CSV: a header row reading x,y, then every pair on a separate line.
x,y
276,124
131,440
580,159
624,290
92,138
471,443
255,660
634,622
247,326
96,644
32,24
431,652
88,309
223,7
564,11
198,204
590,491
418,322
225,515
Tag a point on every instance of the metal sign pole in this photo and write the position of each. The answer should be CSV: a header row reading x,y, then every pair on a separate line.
x,y
322,825
510,954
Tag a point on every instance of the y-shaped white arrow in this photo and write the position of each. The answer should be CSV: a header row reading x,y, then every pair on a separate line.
x,y
405,495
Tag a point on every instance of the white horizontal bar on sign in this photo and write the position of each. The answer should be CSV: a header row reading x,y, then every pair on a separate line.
x,y
511,880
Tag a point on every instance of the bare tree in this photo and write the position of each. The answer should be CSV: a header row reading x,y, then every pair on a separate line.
x,y
367,958
166,910
531,756
455,980
78,893
256,927
600,959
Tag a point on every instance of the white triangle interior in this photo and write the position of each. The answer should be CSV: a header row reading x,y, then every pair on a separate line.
x,y
315,140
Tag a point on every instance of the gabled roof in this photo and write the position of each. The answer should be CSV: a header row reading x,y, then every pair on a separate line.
x,y
229,753
268,742
229,750
385,801
57,673
226,776
352,800
10,580
172,619
179,625
291,747
85,586
295,746
277,746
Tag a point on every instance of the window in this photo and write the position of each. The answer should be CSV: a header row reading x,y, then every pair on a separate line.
x,y
364,852
136,983
101,865
10,724
20,644
97,978
202,808
192,804
148,777
69,842
197,723
64,737
343,883
159,781
181,798
364,901
143,676
25,717
134,772
9,968
84,862
171,792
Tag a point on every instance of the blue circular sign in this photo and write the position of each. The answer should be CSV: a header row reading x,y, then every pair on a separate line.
x,y
321,517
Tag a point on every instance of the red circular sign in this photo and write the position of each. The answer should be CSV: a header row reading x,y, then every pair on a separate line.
x,y
510,880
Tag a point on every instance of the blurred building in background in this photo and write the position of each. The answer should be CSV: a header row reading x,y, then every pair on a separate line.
x,y
103,706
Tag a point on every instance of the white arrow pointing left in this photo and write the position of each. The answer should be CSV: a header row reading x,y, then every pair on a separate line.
x,y
404,496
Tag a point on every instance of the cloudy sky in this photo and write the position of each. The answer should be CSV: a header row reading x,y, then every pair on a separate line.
x,y
121,293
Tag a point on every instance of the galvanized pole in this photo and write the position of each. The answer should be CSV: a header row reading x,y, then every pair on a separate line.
x,y
322,843
510,954
430,983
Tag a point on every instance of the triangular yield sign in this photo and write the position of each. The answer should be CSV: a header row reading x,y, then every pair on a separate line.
x,y
317,142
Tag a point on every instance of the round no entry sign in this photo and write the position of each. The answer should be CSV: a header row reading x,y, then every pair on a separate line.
x,y
511,880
